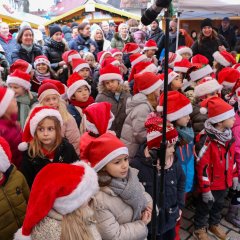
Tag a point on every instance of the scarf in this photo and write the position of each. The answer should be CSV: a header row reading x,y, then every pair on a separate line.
x,y
27,48
186,134
49,155
6,39
40,77
124,39
24,104
58,45
82,105
131,192
216,134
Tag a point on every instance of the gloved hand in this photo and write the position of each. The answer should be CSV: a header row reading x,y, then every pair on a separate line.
x,y
207,197
235,183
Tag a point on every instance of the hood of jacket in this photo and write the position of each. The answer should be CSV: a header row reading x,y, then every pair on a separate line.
x,y
134,101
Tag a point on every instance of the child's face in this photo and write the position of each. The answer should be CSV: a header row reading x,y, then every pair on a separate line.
x,y
57,37
82,94
118,167
84,73
18,90
150,53
42,68
228,123
12,109
118,57
46,133
111,85
177,83
185,55
170,150
51,100
183,121
90,61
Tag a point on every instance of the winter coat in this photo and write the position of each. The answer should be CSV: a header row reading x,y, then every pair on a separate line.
x,y
21,53
14,194
64,153
118,42
133,132
114,217
173,187
158,37
118,106
229,36
208,46
12,132
211,167
8,47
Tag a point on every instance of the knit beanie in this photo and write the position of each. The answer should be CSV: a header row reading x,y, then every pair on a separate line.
x,y
53,29
206,22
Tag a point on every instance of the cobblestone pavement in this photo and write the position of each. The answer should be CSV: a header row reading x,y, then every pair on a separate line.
x,y
187,225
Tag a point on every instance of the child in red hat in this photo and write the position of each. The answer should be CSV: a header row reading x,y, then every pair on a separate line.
x,y
150,49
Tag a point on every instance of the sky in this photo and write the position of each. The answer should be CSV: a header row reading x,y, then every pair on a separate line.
x,y
43,4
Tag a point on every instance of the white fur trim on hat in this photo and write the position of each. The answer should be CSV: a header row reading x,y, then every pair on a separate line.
x,y
87,187
4,162
19,81
81,66
110,76
152,88
29,68
41,115
228,85
110,157
207,88
103,55
116,53
177,59
180,69
220,59
139,59
70,58
41,60
183,50
150,48
150,68
9,95
48,92
75,86
172,76
186,110
19,236
137,50
222,117
200,73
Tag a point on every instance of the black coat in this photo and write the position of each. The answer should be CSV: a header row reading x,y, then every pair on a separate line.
x,y
64,153
75,113
229,36
174,187
21,53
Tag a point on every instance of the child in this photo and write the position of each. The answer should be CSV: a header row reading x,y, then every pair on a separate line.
x,y
43,142
137,108
185,52
215,149
118,55
83,69
150,49
14,194
122,207
94,66
58,204
48,95
175,82
103,55
174,198
9,127
19,82
79,97
112,89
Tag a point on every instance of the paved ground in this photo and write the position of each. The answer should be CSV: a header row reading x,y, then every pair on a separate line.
x,y
187,225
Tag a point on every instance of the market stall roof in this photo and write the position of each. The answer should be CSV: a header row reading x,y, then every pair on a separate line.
x,y
98,5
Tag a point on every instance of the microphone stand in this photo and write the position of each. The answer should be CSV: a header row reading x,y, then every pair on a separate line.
x,y
158,191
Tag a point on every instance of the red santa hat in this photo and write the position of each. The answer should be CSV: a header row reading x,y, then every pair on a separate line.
x,y
20,78
59,186
171,75
35,117
182,66
184,49
136,58
228,77
5,155
206,86
6,96
104,149
74,83
78,64
41,59
224,58
178,106
154,126
218,110
236,66
69,55
110,72
143,67
150,45
146,87
115,51
172,58
101,55
130,48
200,59
110,60
62,88
47,89
21,65
199,71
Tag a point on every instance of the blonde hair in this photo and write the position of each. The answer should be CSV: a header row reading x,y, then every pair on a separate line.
x,y
35,146
76,225
88,55
152,100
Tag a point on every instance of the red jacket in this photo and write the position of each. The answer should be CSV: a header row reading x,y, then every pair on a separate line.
x,y
215,168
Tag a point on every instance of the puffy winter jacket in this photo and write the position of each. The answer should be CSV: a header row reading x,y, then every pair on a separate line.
x,y
14,194
8,47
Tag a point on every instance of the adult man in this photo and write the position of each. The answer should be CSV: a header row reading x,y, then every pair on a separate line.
x,y
228,32
7,41
106,30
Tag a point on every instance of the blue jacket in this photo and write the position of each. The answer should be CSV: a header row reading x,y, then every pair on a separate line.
x,y
174,188
75,113
8,48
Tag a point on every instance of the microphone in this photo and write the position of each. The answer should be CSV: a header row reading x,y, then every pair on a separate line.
x,y
151,13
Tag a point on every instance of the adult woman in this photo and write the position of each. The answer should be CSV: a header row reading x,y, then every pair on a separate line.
x,y
26,49
122,37
208,41
102,43
53,50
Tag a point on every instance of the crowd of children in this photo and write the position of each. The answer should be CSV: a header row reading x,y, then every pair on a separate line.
x,y
76,158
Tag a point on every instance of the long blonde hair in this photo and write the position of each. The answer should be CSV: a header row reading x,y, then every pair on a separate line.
x,y
76,225
152,100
